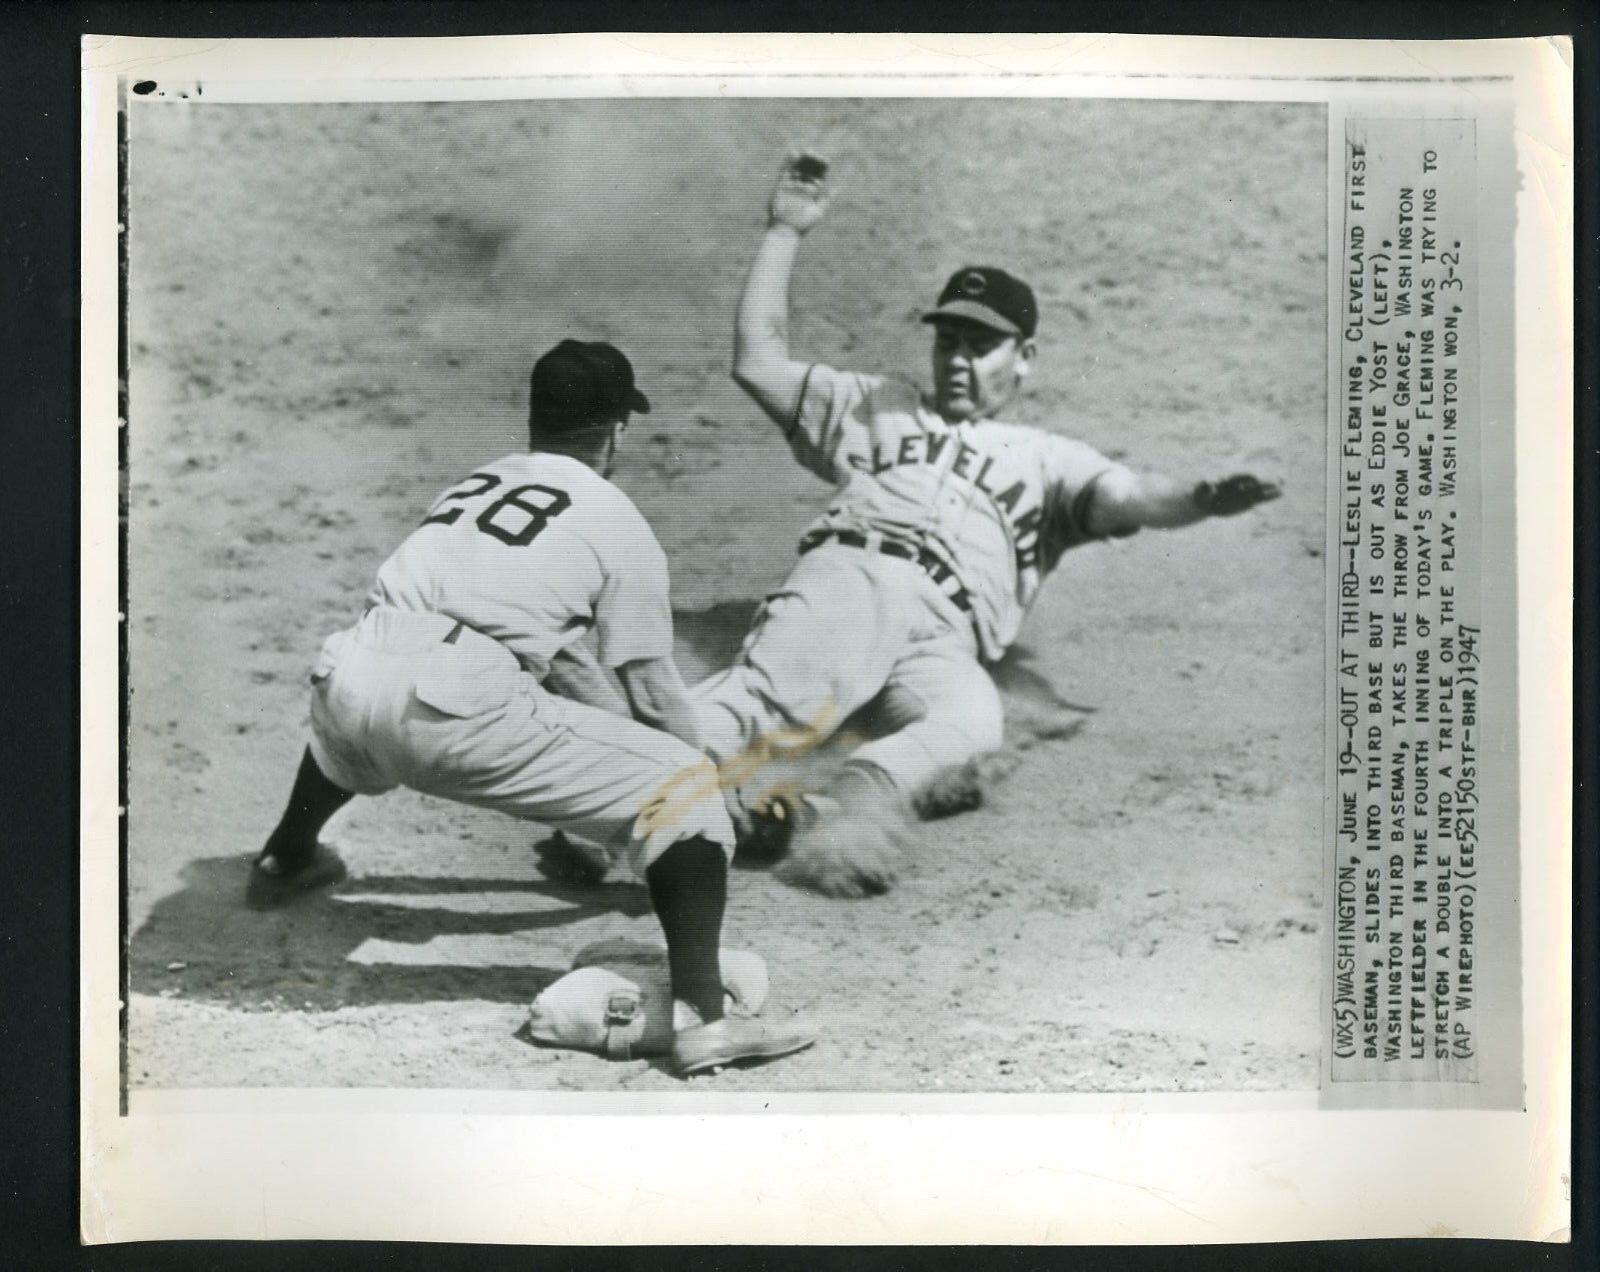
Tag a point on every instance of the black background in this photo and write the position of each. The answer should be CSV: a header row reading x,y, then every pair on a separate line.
x,y
39,518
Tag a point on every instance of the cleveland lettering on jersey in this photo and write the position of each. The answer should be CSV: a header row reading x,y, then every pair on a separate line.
x,y
927,449
993,503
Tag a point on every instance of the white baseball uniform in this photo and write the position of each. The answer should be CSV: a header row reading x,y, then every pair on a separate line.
x,y
926,562
437,686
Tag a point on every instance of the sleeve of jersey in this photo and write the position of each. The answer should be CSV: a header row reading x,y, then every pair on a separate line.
x,y
633,615
831,419
1072,470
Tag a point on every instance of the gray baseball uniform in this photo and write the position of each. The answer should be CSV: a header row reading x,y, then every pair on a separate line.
x,y
437,686
925,563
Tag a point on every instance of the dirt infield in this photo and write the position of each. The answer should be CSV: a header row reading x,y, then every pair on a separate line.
x,y
332,313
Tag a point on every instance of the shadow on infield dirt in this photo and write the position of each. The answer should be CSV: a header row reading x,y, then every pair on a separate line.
x,y
202,943
711,637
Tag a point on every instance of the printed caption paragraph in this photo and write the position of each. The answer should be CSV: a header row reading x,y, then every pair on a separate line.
x,y
1407,647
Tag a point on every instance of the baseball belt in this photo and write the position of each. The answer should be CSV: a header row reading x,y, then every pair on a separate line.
x,y
936,569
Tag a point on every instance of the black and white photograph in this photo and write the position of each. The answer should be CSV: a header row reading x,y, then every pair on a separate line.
x,y
981,440
645,600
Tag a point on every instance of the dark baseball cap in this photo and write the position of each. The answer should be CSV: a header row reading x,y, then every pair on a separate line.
x,y
578,385
990,297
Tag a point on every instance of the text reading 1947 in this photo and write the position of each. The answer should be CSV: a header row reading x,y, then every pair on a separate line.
x,y
1407,656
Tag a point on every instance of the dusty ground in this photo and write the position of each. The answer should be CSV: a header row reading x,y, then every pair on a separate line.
x,y
333,309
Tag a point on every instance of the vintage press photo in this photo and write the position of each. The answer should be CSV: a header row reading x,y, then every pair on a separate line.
x,y
1151,817
1057,538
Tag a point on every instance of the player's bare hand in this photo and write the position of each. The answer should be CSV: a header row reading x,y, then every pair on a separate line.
x,y
801,196
1235,494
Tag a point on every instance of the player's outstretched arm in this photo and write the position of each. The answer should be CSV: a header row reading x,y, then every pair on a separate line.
x,y
762,365
659,698
1125,501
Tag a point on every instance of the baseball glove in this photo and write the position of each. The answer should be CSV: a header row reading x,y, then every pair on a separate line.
x,y
1233,495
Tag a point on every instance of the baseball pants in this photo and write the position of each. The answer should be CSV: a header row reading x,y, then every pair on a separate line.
x,y
398,700
846,626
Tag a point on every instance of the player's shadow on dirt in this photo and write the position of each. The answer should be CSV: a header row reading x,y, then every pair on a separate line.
x,y
1016,678
202,942
712,636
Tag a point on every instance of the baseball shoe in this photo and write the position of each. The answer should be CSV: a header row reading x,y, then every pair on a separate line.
x,y
958,789
273,884
730,1040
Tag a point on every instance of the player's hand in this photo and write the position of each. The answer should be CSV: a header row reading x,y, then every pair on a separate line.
x,y
801,195
1235,494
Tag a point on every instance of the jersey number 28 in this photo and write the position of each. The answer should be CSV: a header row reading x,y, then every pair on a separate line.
x,y
546,502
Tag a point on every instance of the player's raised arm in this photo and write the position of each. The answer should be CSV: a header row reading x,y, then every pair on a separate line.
x,y
762,365
1125,501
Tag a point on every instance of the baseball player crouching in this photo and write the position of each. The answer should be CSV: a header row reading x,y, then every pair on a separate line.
x,y
943,524
438,687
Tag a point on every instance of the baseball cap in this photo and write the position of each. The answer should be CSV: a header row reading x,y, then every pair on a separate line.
x,y
577,385
992,297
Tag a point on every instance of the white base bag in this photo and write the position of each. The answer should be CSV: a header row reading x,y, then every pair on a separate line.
x,y
618,1000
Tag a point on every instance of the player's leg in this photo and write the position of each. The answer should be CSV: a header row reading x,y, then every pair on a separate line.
x,y
333,770
294,860
612,780
952,716
822,646
543,758
688,886
622,785
688,889
851,839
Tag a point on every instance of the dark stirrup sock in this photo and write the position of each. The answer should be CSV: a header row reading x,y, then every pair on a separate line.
x,y
689,889
312,801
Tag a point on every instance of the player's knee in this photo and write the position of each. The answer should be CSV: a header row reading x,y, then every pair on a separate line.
x,y
988,728
647,849
898,708
975,729
687,804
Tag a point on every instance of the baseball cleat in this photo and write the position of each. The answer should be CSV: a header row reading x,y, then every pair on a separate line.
x,y
958,789
273,884
729,1040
